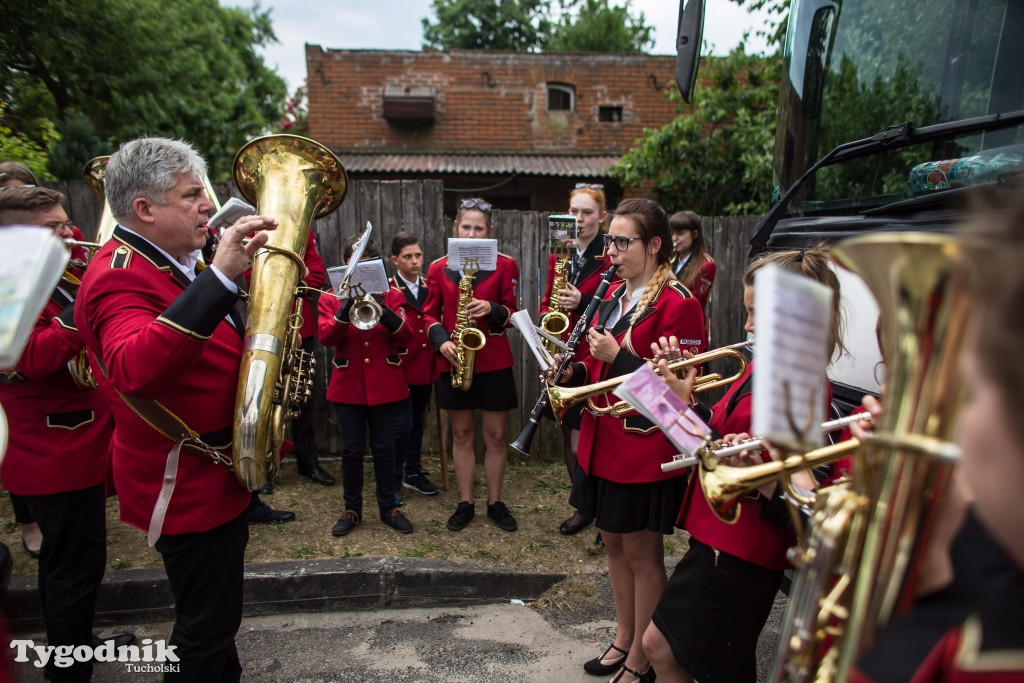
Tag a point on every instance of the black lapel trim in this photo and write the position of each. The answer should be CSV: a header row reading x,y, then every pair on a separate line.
x,y
605,308
594,256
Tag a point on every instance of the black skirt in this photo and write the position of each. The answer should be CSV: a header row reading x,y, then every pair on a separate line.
x,y
712,612
493,391
625,508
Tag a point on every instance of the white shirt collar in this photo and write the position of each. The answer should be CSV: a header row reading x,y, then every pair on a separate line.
x,y
188,266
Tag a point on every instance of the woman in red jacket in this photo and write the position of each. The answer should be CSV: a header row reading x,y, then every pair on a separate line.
x,y
707,622
587,204
691,262
493,391
633,502
367,387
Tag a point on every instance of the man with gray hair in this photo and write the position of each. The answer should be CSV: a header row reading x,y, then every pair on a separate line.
x,y
166,342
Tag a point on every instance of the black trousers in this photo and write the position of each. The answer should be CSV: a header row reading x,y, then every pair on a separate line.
x,y
71,564
205,571
352,424
302,426
22,515
409,431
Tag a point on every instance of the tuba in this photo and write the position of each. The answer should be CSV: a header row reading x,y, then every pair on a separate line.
x,y
858,563
466,335
295,180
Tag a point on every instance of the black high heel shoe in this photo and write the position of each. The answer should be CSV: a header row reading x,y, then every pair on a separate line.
x,y
32,553
645,677
595,667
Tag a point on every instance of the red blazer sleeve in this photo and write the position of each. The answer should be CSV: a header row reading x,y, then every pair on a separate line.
x,y
545,302
147,344
50,346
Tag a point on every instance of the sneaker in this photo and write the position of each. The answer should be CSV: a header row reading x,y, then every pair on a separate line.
x,y
501,516
396,520
460,518
420,484
347,523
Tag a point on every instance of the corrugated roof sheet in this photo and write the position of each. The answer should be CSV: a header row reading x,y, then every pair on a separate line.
x,y
565,166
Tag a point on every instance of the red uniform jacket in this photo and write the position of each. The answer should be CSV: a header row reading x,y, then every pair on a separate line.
x,y
702,283
419,363
500,287
367,364
754,537
59,434
585,276
162,337
631,449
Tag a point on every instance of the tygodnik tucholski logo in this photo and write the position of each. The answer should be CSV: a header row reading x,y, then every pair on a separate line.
x,y
136,659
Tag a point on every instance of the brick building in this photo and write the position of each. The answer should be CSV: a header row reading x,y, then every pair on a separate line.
x,y
518,129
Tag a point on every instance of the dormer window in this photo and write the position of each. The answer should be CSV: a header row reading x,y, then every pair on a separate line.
x,y
561,97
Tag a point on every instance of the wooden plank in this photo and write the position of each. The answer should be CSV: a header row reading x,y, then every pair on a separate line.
x,y
391,216
367,208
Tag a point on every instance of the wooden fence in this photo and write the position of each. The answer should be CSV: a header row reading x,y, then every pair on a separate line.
x,y
416,206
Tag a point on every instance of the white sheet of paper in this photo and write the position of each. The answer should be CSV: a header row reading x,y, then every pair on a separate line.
x,y
653,399
232,210
357,254
461,251
792,319
31,262
524,323
369,275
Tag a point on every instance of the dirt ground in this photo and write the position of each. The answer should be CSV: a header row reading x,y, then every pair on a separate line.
x,y
536,494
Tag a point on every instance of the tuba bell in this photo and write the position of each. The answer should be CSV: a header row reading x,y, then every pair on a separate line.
x,y
295,180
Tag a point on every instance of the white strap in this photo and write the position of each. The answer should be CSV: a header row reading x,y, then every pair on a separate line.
x,y
156,522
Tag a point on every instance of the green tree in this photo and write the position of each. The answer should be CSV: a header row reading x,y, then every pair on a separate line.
x,y
187,69
516,25
18,147
594,26
715,157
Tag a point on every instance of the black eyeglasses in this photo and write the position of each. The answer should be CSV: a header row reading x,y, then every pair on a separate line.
x,y
589,186
621,243
476,204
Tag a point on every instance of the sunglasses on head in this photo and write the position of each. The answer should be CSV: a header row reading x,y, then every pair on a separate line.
x,y
589,186
476,204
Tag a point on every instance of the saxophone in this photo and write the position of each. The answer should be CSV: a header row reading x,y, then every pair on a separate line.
x,y
466,336
555,322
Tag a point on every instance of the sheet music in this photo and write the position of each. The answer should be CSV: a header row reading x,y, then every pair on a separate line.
x,y
369,278
653,399
461,250
562,231
524,323
792,319
31,262
232,210
357,254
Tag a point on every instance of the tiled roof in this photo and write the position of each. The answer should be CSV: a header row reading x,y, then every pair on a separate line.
x,y
564,166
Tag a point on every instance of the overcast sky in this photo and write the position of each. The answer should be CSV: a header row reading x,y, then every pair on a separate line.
x,y
395,25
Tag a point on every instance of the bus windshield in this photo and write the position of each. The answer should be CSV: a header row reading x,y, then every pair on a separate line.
x,y
853,68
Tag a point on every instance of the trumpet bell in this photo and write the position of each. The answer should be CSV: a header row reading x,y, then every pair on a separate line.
x,y
365,314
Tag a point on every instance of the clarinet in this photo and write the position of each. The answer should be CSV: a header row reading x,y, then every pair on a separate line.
x,y
525,438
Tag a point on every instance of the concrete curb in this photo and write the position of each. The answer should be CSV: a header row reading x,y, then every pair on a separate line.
x,y
356,583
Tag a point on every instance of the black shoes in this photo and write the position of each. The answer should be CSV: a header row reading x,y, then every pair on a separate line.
x,y
501,516
597,666
575,523
463,513
267,488
347,523
396,520
34,554
120,640
420,484
317,474
264,514
645,677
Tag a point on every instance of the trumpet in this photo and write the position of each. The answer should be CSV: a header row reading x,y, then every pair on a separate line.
x,y
365,312
754,444
562,398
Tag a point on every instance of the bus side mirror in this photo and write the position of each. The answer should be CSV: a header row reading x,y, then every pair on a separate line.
x,y
688,41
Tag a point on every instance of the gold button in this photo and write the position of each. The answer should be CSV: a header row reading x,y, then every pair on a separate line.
x,y
419,317
366,360
423,345
366,343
